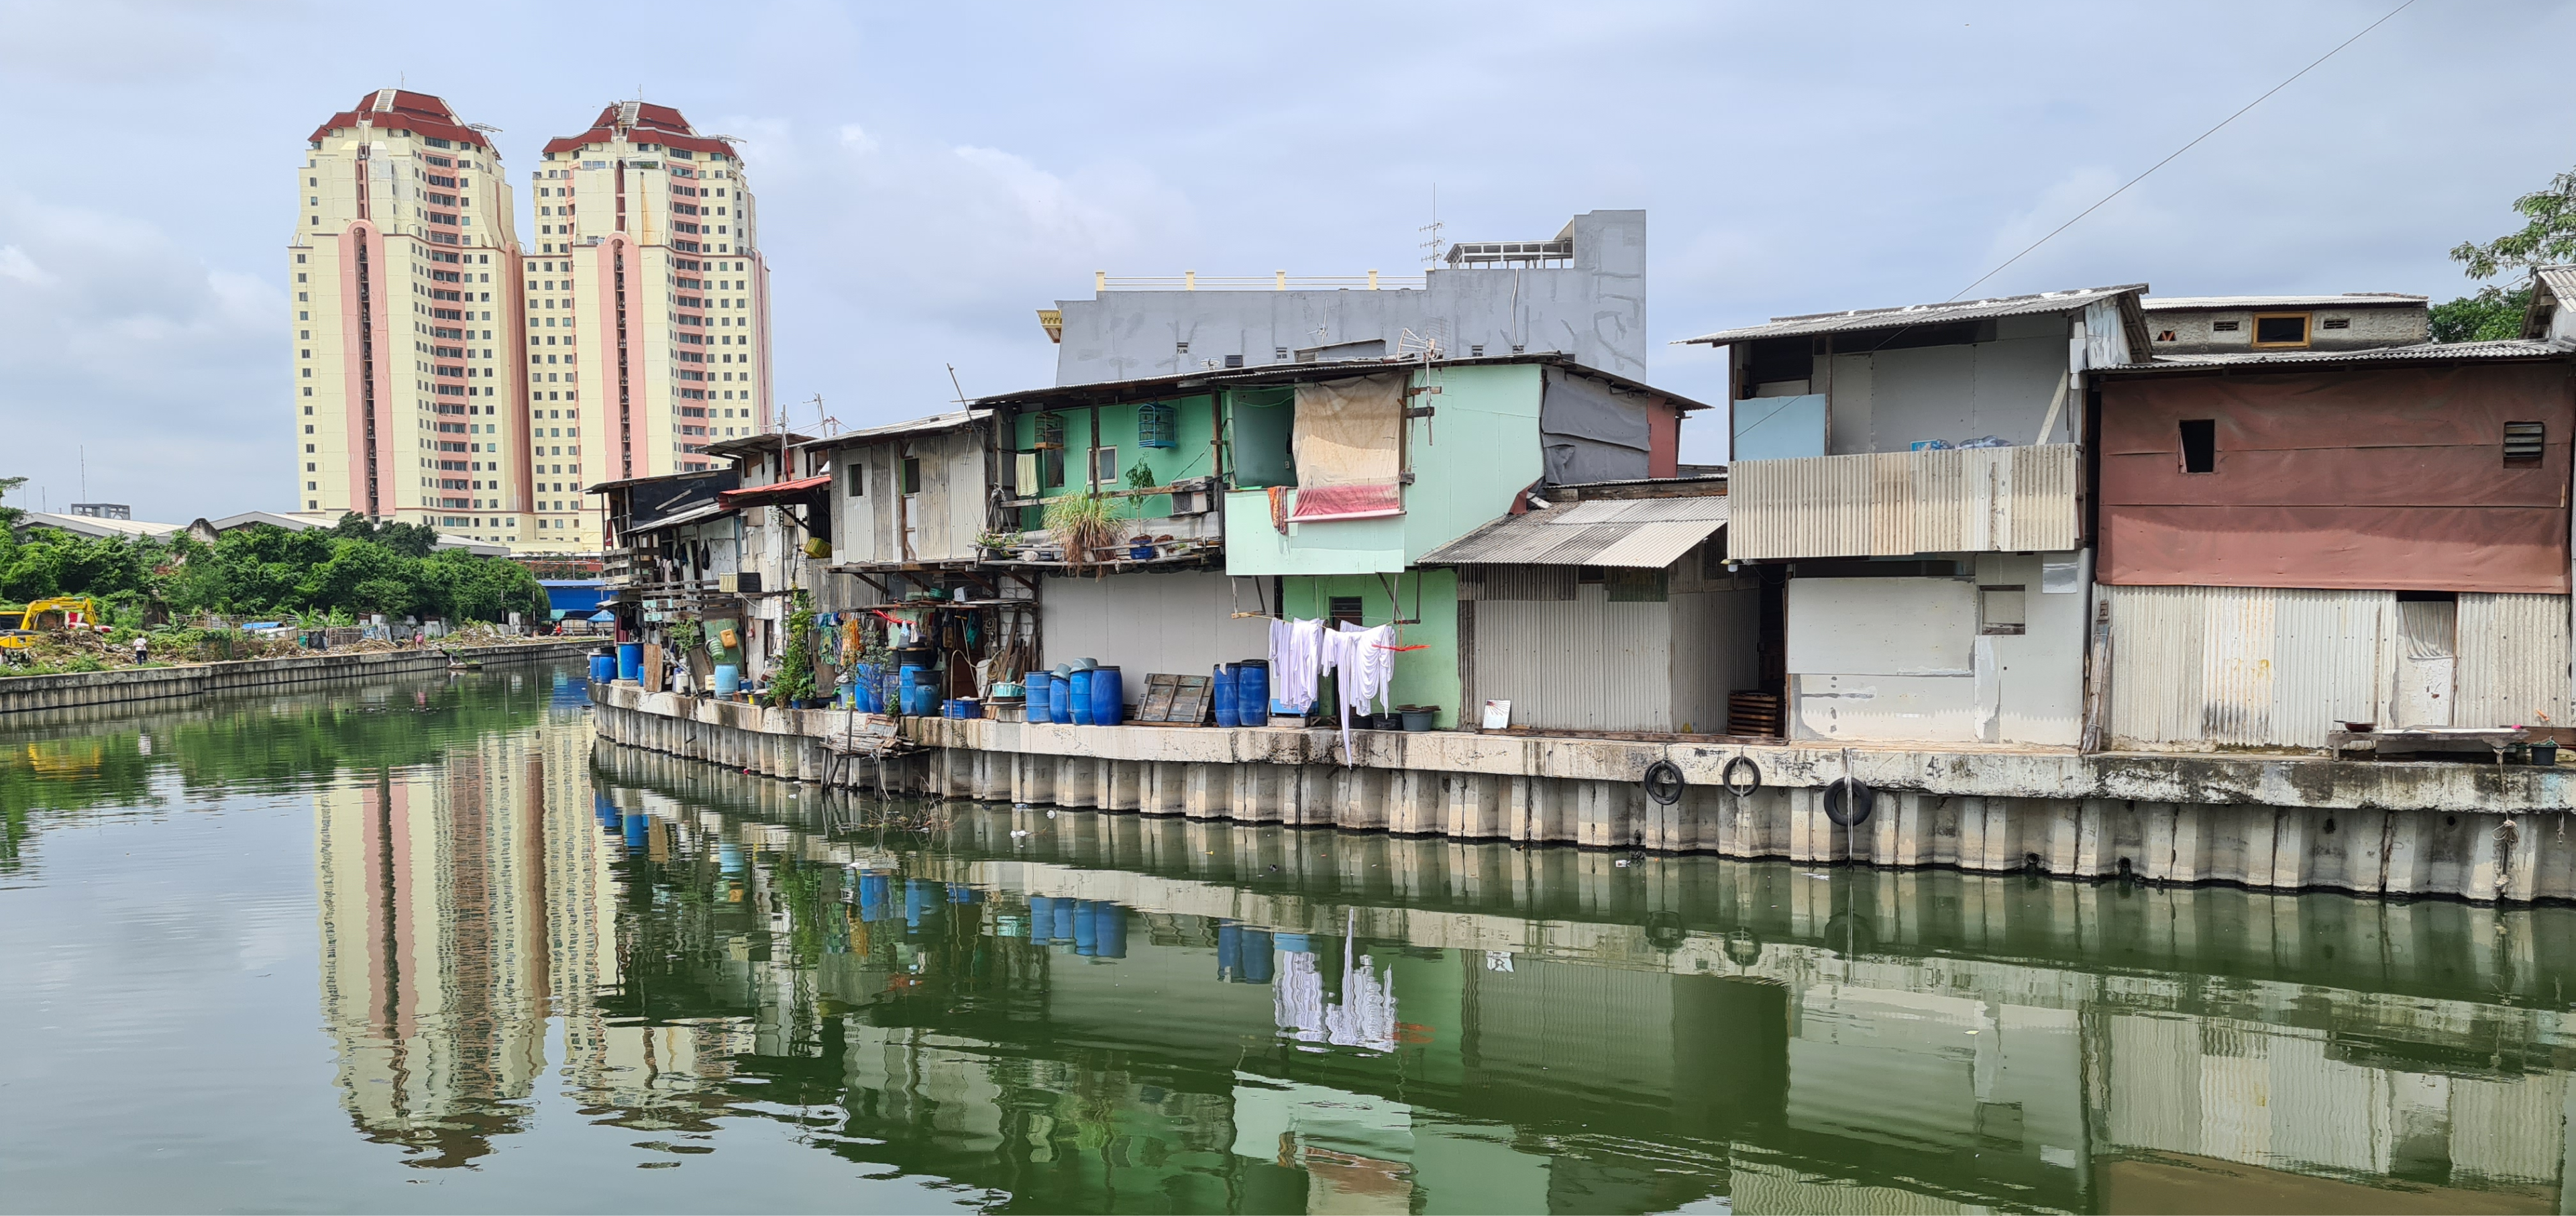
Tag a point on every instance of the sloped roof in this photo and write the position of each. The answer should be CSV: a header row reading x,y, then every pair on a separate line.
x,y
950,421
2292,360
1637,533
1863,320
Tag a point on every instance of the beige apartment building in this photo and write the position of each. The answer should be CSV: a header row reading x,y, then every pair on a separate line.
x,y
641,314
648,301
402,265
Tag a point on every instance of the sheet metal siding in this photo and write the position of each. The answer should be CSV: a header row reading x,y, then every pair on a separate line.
x,y
1895,504
1584,664
2513,665
2247,666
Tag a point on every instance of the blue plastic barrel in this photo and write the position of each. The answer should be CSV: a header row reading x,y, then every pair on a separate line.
x,y
1253,959
1060,700
630,660
1086,933
638,830
1080,701
1064,911
728,679
603,668
906,679
1252,692
1228,713
1108,930
1037,684
1108,697
1229,950
1041,920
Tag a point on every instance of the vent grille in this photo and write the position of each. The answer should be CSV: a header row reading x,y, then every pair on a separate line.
x,y
2523,442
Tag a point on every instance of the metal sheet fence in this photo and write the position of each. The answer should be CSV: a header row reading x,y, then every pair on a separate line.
x,y
1895,504
2278,667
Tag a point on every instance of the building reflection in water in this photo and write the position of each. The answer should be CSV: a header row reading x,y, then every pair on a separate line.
x,y
1093,1013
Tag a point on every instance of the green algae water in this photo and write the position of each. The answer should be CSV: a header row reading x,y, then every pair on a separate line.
x,y
423,947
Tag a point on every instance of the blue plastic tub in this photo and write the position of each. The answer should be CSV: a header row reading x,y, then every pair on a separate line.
x,y
1108,697
630,660
1038,685
1252,692
1228,713
1080,701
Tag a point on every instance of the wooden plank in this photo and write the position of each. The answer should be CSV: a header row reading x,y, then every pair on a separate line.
x,y
1156,704
1195,697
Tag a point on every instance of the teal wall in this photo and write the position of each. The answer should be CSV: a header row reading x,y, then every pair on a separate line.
x,y
1422,677
1193,455
1479,446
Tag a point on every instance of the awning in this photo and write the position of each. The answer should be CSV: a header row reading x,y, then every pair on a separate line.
x,y
1348,442
696,514
777,491
1637,533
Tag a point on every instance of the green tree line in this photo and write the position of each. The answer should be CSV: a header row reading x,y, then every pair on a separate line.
x,y
350,570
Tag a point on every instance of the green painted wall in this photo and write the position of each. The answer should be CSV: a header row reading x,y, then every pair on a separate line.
x,y
1422,677
1477,448
1192,456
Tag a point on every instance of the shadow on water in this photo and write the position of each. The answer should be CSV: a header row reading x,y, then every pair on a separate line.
x,y
1071,1011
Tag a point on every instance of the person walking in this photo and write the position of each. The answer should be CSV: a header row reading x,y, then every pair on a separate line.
x,y
142,650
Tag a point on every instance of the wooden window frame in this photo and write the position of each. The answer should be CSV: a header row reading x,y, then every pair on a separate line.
x,y
2307,330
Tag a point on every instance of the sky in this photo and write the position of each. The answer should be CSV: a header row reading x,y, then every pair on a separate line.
x,y
930,175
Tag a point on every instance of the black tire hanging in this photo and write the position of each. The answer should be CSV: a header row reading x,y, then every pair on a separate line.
x,y
1847,802
1752,776
1664,782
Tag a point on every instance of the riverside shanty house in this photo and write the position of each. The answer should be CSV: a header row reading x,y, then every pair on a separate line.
x,y
1907,485
1306,490
2309,529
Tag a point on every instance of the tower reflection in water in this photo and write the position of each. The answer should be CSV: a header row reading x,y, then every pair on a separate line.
x,y
1102,1012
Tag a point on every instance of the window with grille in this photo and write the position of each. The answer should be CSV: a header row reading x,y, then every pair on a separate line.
x,y
2523,442
1344,608
1050,431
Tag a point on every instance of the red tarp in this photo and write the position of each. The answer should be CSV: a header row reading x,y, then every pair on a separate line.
x,y
2386,478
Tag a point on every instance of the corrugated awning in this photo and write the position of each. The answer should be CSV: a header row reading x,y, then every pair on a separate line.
x,y
697,514
1639,533
773,492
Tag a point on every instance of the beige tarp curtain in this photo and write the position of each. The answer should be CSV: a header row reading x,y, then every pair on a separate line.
x,y
1347,444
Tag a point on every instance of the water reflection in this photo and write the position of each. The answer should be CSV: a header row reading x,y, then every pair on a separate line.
x,y
1079,1012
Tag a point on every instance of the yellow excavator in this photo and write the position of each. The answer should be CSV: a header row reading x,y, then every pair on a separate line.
x,y
19,628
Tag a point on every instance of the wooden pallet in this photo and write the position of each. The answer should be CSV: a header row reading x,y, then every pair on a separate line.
x,y
1171,700
1755,714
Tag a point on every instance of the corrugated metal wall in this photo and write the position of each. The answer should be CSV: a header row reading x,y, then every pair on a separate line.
x,y
2272,667
1579,664
1896,504
2513,660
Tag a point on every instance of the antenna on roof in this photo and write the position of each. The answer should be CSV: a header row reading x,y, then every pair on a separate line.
x,y
952,383
1431,248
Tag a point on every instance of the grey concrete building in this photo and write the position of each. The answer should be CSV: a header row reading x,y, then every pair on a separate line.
x,y
1582,293
2224,325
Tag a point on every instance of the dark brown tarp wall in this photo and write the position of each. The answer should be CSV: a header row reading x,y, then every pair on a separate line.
x,y
2362,478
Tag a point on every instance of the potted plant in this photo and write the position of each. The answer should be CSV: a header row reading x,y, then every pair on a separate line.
x,y
1084,524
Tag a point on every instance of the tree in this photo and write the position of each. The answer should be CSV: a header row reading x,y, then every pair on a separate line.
x,y
2548,236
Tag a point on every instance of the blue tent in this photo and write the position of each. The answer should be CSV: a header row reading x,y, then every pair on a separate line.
x,y
603,617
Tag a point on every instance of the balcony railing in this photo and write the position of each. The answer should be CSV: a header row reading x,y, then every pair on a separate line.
x,y
1896,504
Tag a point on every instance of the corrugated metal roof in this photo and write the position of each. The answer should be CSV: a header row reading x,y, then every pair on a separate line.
x,y
949,421
693,515
2350,299
1639,533
2421,352
1863,319
2551,286
1158,388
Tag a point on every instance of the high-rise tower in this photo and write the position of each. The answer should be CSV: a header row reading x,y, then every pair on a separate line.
x,y
407,392
648,301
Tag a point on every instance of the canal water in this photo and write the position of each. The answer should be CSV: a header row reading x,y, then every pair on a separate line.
x,y
420,946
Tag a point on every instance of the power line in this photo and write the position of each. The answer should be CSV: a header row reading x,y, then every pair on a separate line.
x,y
2294,76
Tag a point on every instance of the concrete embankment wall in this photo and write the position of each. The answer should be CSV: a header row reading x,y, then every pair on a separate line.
x,y
2476,831
23,694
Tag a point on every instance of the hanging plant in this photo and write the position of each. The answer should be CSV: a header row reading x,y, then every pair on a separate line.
x,y
1083,523
795,679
